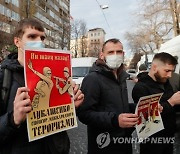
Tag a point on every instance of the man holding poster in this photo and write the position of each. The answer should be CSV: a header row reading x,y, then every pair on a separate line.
x,y
156,81
13,129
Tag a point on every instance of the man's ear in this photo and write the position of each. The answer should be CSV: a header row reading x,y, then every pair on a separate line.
x,y
101,55
154,67
17,41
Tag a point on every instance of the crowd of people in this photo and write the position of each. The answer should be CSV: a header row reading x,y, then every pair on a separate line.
x,y
102,103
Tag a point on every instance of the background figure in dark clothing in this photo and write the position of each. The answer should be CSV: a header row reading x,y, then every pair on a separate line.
x,y
143,71
175,81
157,81
105,109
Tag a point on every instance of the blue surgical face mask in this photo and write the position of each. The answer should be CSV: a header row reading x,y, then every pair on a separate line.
x,y
35,44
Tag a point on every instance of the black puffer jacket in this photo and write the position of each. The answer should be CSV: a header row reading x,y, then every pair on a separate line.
x,y
147,86
14,140
105,98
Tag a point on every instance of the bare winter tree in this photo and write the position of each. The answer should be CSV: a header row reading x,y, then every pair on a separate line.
x,y
83,46
63,36
78,33
28,7
157,23
175,16
7,39
155,26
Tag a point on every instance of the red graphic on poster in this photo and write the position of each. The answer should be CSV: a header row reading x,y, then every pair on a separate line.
x,y
148,111
49,77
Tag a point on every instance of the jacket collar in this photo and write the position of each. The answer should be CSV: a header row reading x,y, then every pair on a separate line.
x,y
101,67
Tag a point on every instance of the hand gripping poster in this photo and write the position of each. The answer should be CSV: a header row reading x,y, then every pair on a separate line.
x,y
150,120
48,75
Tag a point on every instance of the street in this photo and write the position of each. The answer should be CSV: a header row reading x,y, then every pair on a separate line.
x,y
78,139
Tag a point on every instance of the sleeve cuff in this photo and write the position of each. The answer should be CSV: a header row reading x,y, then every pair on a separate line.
x,y
11,121
115,121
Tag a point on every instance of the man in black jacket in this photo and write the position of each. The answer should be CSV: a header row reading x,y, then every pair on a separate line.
x,y
13,129
105,109
157,81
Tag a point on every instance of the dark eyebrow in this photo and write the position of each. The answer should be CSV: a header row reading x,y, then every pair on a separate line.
x,y
120,50
34,35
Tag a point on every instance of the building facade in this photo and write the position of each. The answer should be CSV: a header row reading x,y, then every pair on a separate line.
x,y
88,45
53,14
96,38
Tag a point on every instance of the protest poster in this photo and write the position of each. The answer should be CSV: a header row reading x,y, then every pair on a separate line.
x,y
150,120
48,75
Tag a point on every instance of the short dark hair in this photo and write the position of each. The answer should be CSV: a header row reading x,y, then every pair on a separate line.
x,y
166,58
25,23
113,40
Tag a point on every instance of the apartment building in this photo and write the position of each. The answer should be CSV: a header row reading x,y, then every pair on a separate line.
x,y
96,38
89,44
54,15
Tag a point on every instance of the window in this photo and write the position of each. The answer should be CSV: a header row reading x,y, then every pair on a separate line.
x,y
42,5
65,6
6,1
1,9
80,71
51,13
15,2
5,27
15,16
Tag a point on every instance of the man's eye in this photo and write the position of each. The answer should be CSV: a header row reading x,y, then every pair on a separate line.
x,y
168,71
119,51
110,52
32,36
43,38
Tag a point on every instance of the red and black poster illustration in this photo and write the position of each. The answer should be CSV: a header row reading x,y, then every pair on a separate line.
x,y
150,120
48,75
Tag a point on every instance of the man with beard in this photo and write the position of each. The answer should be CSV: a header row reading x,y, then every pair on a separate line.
x,y
157,81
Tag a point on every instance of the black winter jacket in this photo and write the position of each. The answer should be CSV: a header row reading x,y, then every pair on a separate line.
x,y
105,98
147,86
14,140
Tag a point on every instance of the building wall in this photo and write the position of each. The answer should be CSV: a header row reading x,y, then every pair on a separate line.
x,y
88,45
54,15
179,11
79,47
96,38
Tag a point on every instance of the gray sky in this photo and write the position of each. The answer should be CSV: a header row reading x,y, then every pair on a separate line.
x,y
119,16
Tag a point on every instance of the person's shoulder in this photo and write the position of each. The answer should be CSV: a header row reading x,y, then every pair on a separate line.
x,y
140,84
91,76
175,75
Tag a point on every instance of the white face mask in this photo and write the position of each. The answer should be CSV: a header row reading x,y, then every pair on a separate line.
x,y
114,61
